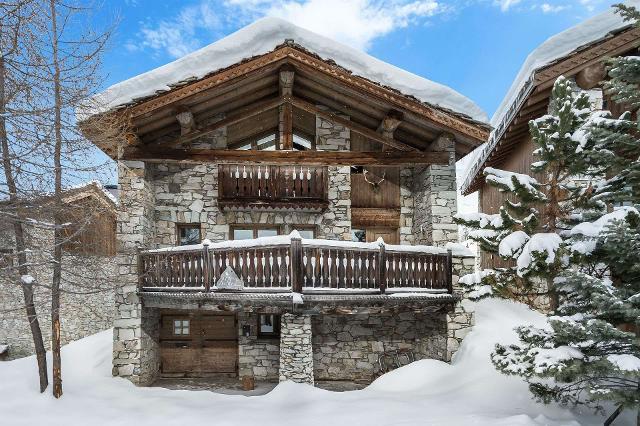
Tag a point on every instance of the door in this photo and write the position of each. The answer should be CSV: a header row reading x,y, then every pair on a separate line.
x,y
196,344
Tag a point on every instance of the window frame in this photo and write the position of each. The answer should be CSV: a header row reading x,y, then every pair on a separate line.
x,y
255,227
180,226
182,327
276,327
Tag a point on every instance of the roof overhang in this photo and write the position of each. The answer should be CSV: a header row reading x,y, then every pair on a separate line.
x,y
317,81
533,99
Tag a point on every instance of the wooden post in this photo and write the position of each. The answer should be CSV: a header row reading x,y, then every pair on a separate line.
x,y
382,269
206,270
140,268
295,254
449,271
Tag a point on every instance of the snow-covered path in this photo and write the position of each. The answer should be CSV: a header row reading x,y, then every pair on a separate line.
x,y
469,392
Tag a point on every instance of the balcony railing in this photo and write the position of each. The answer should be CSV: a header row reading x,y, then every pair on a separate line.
x,y
301,265
260,185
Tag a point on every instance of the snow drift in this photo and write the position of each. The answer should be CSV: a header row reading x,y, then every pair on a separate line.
x,y
428,392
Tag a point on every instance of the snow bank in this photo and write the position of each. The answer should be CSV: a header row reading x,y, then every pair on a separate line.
x,y
262,37
428,392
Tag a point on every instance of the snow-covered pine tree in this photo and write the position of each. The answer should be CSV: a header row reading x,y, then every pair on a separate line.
x,y
528,230
590,347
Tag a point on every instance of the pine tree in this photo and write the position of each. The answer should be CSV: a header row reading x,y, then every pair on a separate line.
x,y
529,230
589,348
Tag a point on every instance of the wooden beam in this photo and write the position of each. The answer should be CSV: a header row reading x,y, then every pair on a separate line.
x,y
285,125
364,131
390,123
235,117
310,157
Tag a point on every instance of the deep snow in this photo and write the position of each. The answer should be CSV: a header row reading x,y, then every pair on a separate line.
x,y
428,392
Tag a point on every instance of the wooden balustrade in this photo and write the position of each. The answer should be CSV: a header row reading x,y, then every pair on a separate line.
x,y
246,184
309,266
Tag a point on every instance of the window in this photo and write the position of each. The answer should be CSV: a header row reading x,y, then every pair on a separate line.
x,y
246,232
359,235
268,325
305,231
188,234
181,327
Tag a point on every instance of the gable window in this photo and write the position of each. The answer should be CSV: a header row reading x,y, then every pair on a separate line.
x,y
188,234
358,235
268,325
247,232
181,327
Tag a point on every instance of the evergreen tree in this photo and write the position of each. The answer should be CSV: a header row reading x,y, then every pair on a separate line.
x,y
589,351
529,229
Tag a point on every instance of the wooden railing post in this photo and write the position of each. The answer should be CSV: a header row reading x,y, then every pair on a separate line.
x,y
140,268
206,270
449,273
382,269
295,254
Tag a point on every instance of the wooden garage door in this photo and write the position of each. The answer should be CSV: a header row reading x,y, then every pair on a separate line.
x,y
195,344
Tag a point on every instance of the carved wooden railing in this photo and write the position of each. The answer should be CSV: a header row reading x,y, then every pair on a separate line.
x,y
246,184
302,266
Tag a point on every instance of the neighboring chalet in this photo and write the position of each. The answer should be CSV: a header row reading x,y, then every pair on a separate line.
x,y
578,53
271,130
87,272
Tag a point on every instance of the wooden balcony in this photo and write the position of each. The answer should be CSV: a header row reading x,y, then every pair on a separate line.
x,y
286,264
260,186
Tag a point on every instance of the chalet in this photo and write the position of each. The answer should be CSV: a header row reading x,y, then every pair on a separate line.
x,y
577,53
88,268
286,212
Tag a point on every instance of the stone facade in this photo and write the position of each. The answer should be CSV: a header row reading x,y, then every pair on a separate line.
x,y
435,201
86,299
348,347
461,320
258,357
296,351
157,197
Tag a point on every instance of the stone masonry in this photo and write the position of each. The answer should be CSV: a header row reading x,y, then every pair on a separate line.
x,y
296,353
257,357
435,196
461,320
347,347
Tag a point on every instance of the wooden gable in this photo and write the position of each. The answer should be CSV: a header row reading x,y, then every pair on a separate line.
x,y
253,99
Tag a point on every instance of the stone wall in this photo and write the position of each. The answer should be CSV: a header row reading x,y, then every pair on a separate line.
x,y
81,314
257,357
86,299
435,200
461,320
296,352
407,206
347,347
133,346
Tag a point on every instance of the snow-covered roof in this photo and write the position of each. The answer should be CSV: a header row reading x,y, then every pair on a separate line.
x,y
557,47
85,185
262,37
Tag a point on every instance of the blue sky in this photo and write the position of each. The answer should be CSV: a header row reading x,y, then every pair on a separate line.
x,y
473,46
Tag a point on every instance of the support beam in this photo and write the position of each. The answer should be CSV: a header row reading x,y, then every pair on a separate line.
x,y
234,117
285,122
321,158
186,120
354,127
390,123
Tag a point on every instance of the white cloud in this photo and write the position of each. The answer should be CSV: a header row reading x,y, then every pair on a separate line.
x,y
505,5
550,8
353,22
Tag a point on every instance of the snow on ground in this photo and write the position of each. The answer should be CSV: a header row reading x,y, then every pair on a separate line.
x,y
427,392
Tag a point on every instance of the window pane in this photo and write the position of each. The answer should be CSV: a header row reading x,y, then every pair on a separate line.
x,y
300,143
266,323
305,233
359,235
268,143
242,234
267,232
189,235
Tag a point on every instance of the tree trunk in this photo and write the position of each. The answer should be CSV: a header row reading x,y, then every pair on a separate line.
x,y
57,235
27,289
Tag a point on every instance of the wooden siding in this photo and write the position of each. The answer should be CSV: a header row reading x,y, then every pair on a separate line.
x,y
92,229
